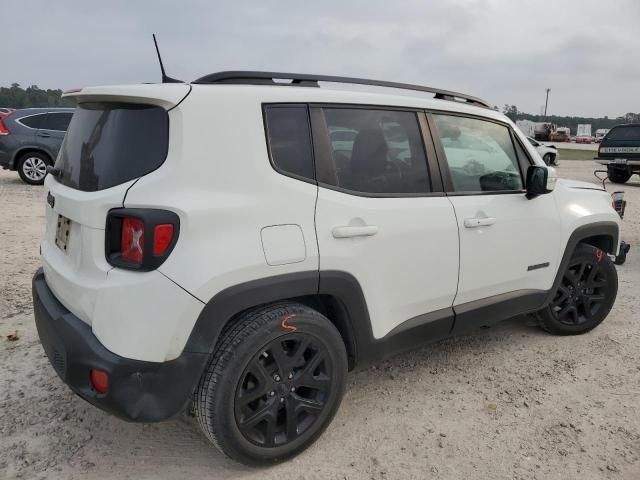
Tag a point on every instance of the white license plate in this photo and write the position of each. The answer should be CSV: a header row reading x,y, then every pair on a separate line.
x,y
620,160
63,230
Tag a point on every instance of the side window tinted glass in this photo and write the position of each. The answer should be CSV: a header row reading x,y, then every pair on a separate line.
x,y
377,151
290,139
480,154
34,121
57,121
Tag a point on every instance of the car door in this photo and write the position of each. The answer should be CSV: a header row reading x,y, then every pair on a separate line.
x,y
52,130
381,216
508,243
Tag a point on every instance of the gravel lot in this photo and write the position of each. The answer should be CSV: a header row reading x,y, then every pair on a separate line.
x,y
509,402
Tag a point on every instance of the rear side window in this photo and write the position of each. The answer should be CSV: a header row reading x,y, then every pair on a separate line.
x,y
377,151
111,143
57,121
289,138
32,121
480,154
625,133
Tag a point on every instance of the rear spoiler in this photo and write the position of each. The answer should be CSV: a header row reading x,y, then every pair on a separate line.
x,y
166,95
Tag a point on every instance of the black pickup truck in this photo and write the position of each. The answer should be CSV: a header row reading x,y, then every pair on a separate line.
x,y
620,152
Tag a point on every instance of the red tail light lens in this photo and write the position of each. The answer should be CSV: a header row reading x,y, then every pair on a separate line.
x,y
3,128
140,238
99,380
132,240
162,236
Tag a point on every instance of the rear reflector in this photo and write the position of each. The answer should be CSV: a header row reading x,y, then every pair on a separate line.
x,y
99,380
162,236
132,241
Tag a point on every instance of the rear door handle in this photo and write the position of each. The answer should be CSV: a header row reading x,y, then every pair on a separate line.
x,y
479,222
354,231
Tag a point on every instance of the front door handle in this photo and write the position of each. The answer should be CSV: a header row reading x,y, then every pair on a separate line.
x,y
43,134
479,222
354,231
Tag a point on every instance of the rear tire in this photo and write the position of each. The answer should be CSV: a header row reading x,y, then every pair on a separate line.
x,y
273,383
32,167
618,175
585,294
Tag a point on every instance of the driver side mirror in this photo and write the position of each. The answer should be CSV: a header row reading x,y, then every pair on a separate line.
x,y
538,181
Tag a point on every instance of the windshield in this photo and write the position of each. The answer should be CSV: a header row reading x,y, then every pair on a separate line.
x,y
108,144
631,132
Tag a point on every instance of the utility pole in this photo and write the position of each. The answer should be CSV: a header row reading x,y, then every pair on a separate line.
x,y
546,103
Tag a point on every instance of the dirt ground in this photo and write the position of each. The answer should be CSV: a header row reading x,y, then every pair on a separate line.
x,y
508,402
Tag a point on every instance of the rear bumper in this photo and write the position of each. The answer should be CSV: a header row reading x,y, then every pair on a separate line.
x,y
138,391
617,163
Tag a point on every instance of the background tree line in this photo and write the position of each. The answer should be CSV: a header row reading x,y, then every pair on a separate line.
x,y
514,114
17,97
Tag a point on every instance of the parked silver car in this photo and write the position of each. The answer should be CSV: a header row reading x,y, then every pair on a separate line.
x,y
30,140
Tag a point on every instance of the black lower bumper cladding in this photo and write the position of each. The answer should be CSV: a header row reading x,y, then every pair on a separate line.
x,y
138,391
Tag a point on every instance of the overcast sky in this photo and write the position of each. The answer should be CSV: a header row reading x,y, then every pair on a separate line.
x,y
505,51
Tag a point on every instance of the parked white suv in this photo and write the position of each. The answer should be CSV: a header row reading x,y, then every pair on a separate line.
x,y
549,153
212,248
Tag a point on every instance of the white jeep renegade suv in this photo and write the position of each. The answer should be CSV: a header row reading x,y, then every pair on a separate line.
x,y
233,246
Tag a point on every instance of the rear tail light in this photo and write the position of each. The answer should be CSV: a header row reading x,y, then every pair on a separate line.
x,y
3,128
132,240
162,236
140,239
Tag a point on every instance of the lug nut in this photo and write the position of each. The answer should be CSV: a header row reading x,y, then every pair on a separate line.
x,y
276,377
281,399
272,393
293,389
290,375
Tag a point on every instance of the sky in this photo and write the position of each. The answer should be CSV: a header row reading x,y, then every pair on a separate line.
x,y
504,51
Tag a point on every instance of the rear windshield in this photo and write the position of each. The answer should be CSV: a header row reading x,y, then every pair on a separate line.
x,y
625,133
111,143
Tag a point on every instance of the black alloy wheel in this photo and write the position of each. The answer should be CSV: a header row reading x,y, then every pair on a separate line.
x,y
584,295
272,384
582,292
283,390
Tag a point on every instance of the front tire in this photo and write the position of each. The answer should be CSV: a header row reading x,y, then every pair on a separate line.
x,y
618,175
548,159
273,383
32,167
585,295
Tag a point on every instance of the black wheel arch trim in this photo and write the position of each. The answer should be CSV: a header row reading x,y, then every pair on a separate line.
x,y
603,235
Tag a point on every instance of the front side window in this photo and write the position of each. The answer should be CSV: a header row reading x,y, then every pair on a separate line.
x,y
479,153
377,151
289,137
57,121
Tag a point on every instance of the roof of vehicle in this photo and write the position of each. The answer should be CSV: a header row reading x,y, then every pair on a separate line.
x,y
31,111
300,89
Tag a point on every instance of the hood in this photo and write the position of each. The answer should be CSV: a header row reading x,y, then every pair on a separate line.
x,y
581,185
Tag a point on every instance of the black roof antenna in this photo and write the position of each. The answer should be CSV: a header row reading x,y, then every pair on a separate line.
x,y
165,78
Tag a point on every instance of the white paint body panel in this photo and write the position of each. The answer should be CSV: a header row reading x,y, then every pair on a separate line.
x,y
494,258
408,268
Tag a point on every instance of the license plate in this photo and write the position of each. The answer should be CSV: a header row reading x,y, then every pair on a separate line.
x,y
63,230
620,160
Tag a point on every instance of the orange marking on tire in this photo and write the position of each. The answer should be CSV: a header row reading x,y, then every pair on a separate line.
x,y
286,326
599,255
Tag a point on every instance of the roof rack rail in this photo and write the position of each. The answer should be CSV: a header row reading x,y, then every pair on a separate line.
x,y
308,80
